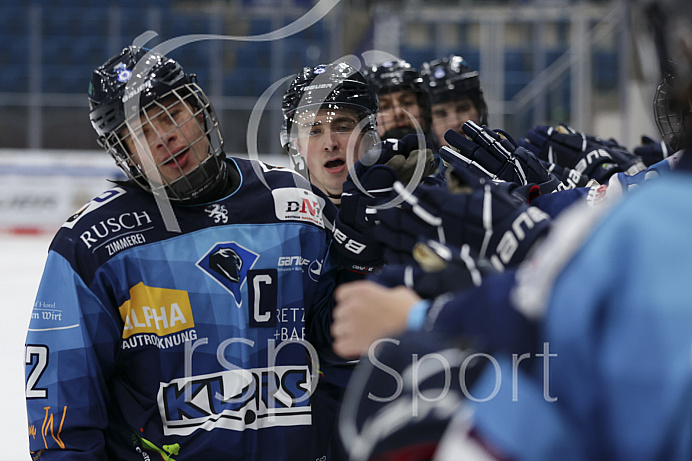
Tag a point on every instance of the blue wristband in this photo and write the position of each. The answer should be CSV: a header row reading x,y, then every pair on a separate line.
x,y
417,314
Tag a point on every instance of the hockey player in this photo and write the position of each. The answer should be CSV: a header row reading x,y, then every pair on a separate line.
x,y
455,94
404,104
170,320
330,121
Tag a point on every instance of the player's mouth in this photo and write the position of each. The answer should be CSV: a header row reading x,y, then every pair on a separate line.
x,y
335,166
181,157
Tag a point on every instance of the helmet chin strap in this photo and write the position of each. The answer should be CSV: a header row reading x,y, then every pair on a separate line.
x,y
210,181
299,165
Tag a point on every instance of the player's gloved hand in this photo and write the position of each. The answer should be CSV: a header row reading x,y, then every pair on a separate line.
x,y
472,211
440,269
369,181
494,154
353,237
630,163
651,151
569,148
569,177
621,183
410,157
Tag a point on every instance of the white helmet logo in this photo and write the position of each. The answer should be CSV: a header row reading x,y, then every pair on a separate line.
x,y
124,74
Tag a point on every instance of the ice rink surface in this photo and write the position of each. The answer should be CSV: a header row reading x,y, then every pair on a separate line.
x,y
22,259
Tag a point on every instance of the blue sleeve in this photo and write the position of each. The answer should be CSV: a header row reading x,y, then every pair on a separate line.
x,y
619,316
318,315
417,314
333,368
67,404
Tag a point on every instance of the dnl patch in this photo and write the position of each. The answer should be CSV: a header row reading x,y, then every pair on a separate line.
x,y
228,264
236,400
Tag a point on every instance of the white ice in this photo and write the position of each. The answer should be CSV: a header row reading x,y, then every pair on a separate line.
x,y
21,265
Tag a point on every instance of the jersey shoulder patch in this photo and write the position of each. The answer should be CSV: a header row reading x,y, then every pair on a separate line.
x,y
95,203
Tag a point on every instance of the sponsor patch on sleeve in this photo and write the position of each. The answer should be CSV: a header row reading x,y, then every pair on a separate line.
x,y
95,203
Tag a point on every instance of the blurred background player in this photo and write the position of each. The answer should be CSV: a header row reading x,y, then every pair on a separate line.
x,y
163,341
404,104
455,93
330,121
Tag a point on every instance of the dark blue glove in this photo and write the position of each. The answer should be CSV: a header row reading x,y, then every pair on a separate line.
x,y
494,154
569,178
651,151
440,269
590,156
478,213
630,163
353,237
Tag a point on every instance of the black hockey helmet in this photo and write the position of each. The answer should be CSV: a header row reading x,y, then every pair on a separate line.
x,y
337,85
113,86
451,77
129,84
391,76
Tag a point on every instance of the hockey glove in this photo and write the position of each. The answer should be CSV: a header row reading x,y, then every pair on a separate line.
x,y
622,183
651,151
353,227
630,163
440,269
568,148
471,211
494,154
569,177
411,158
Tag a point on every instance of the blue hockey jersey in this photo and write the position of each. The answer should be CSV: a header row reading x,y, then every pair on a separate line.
x,y
149,343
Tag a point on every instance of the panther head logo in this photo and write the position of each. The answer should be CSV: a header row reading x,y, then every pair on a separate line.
x,y
227,263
